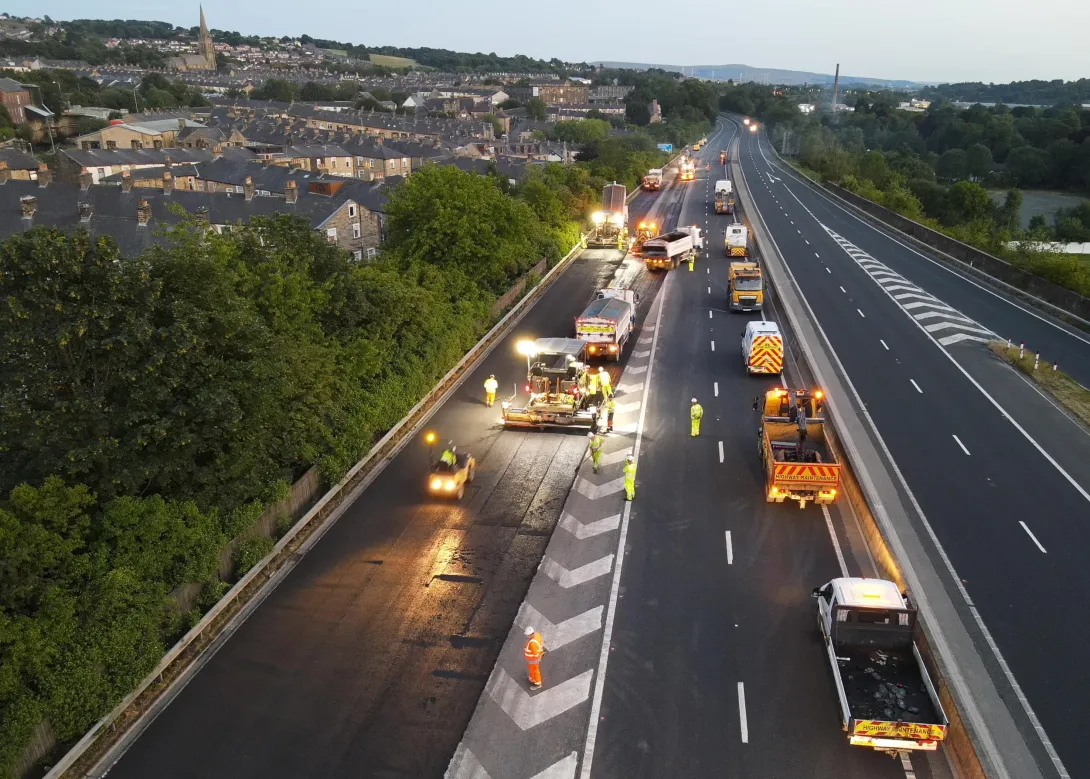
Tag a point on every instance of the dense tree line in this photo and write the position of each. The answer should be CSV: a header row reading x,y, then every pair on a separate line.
x,y
63,88
1035,92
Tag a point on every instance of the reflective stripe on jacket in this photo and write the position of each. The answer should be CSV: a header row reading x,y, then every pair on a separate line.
x,y
535,649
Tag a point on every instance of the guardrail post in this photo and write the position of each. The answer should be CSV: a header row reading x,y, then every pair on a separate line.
x,y
1036,360
1022,350
1055,366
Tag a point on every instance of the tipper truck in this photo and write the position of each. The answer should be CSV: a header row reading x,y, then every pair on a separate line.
x,y
736,241
556,373
887,700
653,180
746,287
791,443
687,170
611,223
605,326
668,250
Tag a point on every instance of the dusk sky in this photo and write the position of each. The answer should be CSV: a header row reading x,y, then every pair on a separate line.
x,y
924,40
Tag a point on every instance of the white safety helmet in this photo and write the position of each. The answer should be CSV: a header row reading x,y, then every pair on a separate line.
x,y
601,369
530,630
630,458
694,400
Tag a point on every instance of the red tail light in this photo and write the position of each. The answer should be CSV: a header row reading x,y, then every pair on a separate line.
x,y
526,388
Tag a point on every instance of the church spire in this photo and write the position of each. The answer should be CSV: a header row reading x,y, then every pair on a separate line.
x,y
204,24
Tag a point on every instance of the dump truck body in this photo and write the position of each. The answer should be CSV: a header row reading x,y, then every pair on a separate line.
x,y
605,326
887,699
669,249
736,241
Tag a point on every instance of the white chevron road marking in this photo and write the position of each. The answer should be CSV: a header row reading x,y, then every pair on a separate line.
x,y
465,765
949,340
528,710
561,633
582,530
561,769
628,389
641,355
581,575
947,325
635,369
595,491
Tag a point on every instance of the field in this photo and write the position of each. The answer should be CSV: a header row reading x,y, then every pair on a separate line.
x,y
1038,201
387,61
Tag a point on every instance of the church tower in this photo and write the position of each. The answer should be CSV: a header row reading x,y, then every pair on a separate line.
x,y
205,47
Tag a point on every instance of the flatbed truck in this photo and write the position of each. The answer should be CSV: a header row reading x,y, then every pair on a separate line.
x,y
887,699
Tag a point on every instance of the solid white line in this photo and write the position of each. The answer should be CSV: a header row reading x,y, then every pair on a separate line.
x,y
713,346
835,540
883,344
917,386
720,451
1020,522
715,384
611,609
742,712
861,314
961,445
730,550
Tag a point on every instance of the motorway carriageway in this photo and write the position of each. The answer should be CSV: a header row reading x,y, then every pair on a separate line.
x,y
1009,506
716,667
368,659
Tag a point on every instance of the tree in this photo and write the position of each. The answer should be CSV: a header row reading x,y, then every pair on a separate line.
x,y
873,166
968,201
978,161
536,109
953,165
1011,210
1027,166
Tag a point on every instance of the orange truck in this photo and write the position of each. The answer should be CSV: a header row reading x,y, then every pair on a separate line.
x,y
791,442
887,700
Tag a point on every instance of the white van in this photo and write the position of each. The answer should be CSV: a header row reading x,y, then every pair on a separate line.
x,y
762,348
723,187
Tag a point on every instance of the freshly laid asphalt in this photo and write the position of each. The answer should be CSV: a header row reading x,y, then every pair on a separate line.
x,y
977,488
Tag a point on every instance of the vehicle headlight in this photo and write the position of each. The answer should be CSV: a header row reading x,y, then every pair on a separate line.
x,y
599,217
436,484
450,484
617,219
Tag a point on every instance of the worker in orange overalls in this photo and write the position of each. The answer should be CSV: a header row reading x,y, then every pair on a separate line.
x,y
534,651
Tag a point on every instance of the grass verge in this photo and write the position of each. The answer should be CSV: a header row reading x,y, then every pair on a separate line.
x,y
1068,393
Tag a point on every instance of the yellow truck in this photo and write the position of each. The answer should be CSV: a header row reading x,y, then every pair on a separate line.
x,y
746,287
791,443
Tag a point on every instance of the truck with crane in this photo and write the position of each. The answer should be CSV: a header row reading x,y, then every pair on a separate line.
x,y
791,443
887,700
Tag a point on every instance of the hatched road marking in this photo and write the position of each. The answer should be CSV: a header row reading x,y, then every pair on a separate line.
x,y
581,575
589,489
582,530
561,633
529,710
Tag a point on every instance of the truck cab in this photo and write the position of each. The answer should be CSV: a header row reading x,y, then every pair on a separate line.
x,y
745,284
887,699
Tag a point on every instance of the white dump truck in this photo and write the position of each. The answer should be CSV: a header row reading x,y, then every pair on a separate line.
x,y
605,325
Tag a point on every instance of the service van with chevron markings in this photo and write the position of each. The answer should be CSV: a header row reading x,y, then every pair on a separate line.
x,y
762,348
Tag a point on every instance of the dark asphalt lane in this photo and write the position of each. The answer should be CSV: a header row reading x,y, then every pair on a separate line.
x,y
1054,340
973,501
368,660
690,625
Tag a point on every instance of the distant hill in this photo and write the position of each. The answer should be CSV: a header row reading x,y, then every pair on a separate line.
x,y
769,75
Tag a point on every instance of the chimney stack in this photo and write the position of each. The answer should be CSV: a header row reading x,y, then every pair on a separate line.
x,y
200,216
291,192
143,213
126,181
85,211
168,182
5,173
85,181
217,150
45,175
248,188
836,89
29,205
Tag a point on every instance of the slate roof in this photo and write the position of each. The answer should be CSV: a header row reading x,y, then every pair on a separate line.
x,y
17,159
271,178
99,158
114,211
177,171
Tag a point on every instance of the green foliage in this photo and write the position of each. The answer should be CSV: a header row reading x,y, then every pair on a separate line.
x,y
579,130
277,89
536,109
249,552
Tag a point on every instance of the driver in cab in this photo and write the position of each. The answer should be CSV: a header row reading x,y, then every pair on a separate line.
x,y
449,457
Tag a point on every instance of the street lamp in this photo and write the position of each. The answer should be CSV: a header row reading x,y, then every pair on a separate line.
x,y
527,349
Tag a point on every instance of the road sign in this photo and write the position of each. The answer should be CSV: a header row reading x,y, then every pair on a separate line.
x,y
666,147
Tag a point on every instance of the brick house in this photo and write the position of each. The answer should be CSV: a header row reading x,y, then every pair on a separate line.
x,y
15,97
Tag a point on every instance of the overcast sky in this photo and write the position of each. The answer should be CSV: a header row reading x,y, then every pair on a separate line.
x,y
920,40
